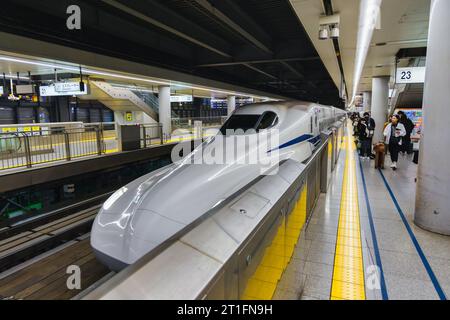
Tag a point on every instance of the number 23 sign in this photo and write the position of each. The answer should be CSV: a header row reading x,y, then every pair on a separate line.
x,y
411,75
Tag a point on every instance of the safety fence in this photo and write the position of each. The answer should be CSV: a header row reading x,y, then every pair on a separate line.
x,y
30,145
189,123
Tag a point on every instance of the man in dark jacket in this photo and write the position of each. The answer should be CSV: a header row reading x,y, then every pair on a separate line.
x,y
369,124
409,126
366,128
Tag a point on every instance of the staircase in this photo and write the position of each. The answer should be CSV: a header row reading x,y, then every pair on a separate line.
x,y
123,99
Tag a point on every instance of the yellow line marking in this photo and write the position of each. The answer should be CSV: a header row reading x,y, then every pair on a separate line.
x,y
348,273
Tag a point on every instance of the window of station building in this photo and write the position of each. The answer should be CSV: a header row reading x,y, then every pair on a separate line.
x,y
25,114
268,120
95,115
108,115
7,115
82,114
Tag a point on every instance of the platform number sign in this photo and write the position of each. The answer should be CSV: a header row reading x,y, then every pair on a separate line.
x,y
406,75
129,116
411,75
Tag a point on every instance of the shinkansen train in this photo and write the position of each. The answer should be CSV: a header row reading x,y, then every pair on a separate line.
x,y
148,211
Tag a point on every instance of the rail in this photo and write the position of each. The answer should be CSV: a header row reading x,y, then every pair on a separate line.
x,y
241,248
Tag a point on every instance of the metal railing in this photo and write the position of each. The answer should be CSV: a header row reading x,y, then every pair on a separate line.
x,y
188,123
28,145
152,134
49,144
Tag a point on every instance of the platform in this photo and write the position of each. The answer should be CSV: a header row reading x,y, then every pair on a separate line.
x,y
366,220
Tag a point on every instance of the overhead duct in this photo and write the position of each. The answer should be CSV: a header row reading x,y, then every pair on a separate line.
x,y
369,19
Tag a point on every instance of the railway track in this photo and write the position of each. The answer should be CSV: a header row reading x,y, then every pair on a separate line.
x,y
35,254
45,277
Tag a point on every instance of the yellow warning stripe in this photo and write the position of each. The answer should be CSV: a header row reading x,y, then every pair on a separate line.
x,y
348,273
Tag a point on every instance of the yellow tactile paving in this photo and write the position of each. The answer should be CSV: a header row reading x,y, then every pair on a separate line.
x,y
348,272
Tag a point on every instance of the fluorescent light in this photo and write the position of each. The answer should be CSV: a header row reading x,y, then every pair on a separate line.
x,y
9,76
125,77
369,15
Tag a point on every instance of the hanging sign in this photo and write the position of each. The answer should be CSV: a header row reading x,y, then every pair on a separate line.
x,y
183,98
411,75
63,89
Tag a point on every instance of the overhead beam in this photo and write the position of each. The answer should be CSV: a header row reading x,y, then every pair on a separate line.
x,y
260,71
231,24
233,63
293,70
163,26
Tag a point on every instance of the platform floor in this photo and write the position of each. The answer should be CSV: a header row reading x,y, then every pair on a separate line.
x,y
400,261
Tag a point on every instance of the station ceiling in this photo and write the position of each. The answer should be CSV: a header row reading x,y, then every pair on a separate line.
x,y
403,25
258,44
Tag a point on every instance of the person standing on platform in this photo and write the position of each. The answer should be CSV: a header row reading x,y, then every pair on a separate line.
x,y
409,127
394,132
365,134
370,132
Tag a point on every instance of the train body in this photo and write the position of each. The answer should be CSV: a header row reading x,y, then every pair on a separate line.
x,y
150,210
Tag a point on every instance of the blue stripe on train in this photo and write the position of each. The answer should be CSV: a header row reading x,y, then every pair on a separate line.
x,y
305,137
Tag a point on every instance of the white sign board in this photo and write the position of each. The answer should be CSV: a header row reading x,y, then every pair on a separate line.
x,y
1,91
183,98
67,86
59,89
411,75
25,89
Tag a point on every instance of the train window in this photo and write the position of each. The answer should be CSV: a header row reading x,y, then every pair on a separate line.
x,y
240,122
268,120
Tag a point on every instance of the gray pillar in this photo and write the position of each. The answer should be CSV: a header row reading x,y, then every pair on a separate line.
x,y
380,100
367,99
165,112
231,103
433,183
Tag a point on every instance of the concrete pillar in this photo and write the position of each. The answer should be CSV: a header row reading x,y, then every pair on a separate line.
x,y
380,101
231,103
165,112
433,179
367,101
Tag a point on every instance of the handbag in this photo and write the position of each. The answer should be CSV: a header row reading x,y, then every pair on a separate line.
x,y
394,139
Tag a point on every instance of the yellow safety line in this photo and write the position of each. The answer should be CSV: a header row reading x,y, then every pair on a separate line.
x,y
348,273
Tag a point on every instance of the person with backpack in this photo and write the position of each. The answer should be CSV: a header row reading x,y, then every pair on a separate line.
x,y
366,129
394,133
409,126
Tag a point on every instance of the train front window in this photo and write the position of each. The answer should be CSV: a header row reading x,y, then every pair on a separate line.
x,y
268,120
242,122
